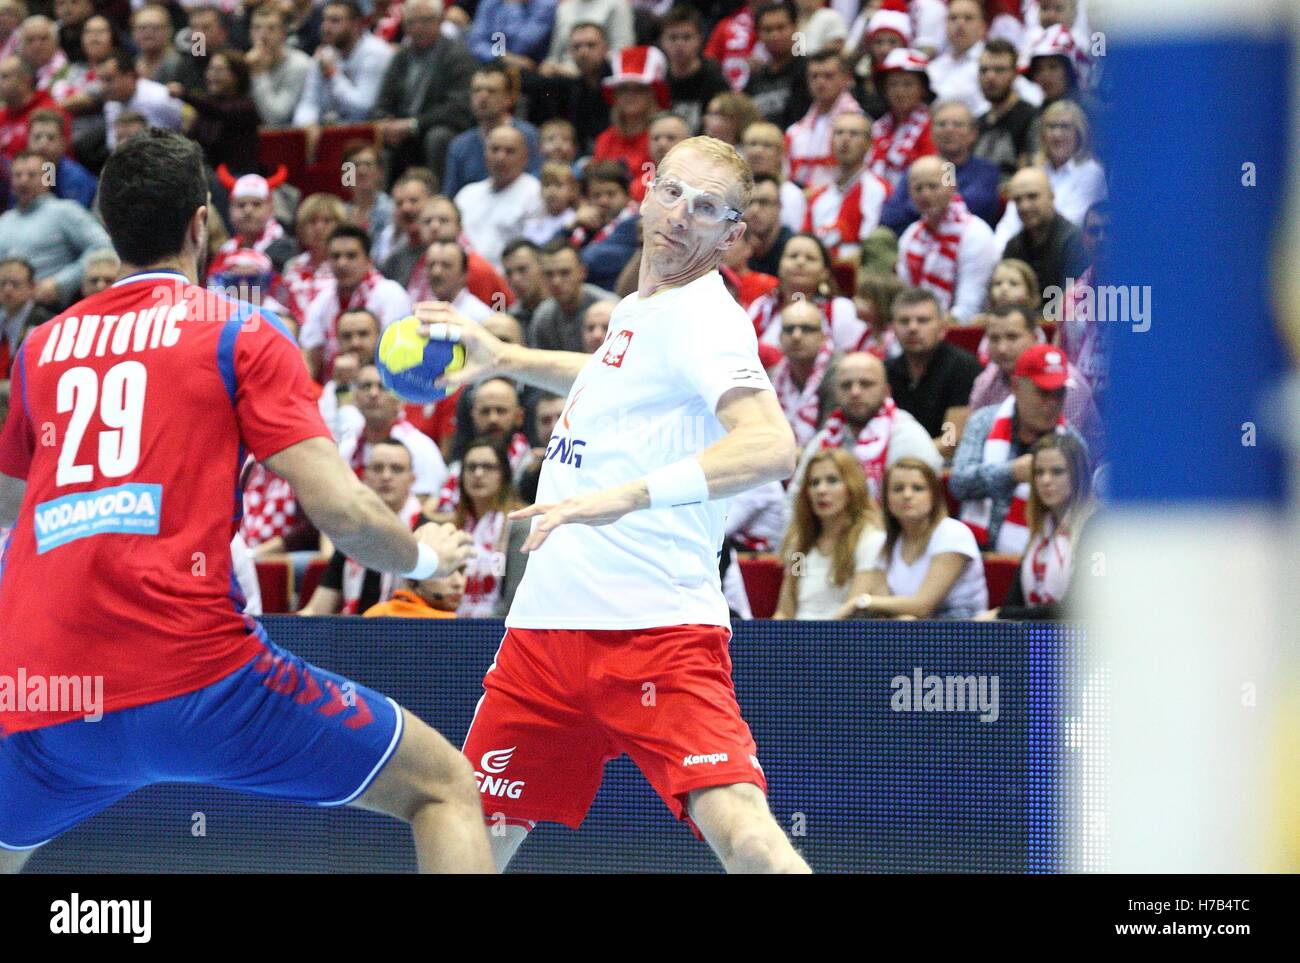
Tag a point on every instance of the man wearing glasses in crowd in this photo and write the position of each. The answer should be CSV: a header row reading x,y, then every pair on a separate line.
x,y
617,637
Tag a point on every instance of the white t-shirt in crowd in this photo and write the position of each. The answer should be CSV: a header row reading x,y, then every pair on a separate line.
x,y
968,596
493,218
387,300
794,206
426,459
817,597
647,398
471,306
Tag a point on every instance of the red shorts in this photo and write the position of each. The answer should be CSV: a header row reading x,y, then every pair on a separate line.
x,y
559,704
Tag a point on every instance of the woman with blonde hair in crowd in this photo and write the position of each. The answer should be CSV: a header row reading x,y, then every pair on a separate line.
x,y
1077,178
487,496
931,562
805,274
831,549
728,115
1060,505
305,274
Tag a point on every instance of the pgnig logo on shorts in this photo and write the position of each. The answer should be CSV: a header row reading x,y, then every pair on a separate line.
x,y
126,509
491,782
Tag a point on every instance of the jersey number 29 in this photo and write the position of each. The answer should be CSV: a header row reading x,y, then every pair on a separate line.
x,y
121,409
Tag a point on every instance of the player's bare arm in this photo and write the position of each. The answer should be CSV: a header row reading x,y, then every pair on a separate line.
x,y
11,499
486,356
759,447
355,518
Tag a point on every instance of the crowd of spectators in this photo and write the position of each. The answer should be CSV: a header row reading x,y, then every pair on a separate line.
x,y
927,216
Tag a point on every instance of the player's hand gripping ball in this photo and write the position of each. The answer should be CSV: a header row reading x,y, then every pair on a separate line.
x,y
408,362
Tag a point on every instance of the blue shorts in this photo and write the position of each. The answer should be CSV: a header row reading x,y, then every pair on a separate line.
x,y
277,727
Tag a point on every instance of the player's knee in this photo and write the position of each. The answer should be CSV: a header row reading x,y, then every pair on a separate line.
x,y
755,847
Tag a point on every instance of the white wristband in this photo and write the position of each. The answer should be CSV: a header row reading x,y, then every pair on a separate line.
x,y
425,564
681,483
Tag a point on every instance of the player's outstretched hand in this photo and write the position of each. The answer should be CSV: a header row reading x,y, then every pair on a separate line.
x,y
438,319
454,546
597,508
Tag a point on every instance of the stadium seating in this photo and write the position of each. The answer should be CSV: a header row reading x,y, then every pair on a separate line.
x,y
762,576
275,579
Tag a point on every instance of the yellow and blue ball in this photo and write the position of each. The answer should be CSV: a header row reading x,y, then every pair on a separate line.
x,y
408,362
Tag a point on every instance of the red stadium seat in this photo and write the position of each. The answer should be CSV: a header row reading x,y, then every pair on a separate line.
x,y
325,174
999,570
287,146
275,579
762,577
310,579
954,506
967,338
845,274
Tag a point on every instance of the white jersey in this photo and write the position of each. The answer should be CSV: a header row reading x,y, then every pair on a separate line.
x,y
645,399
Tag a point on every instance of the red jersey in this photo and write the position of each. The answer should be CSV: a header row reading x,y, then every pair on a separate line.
x,y
131,416
633,151
731,44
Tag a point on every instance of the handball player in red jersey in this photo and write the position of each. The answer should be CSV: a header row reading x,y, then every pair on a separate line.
x,y
617,640
131,415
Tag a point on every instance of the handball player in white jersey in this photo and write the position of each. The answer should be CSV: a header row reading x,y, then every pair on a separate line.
x,y
617,638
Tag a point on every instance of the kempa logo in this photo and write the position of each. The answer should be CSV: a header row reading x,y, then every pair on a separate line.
x,y
493,763
945,693
712,759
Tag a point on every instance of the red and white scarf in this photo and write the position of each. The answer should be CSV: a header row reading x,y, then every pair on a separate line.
x,y
802,406
871,447
765,313
354,573
808,142
581,237
519,451
929,256
270,234
485,571
1045,576
893,143
358,298
1013,535
305,280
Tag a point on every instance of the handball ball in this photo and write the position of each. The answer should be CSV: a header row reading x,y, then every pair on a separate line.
x,y
408,362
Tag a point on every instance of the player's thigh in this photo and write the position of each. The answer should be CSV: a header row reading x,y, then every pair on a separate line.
x,y
426,768
54,778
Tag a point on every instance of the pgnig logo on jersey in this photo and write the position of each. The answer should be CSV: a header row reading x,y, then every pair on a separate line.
x,y
490,780
567,451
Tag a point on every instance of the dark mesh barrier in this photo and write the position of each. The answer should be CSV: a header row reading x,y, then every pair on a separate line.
x,y
861,780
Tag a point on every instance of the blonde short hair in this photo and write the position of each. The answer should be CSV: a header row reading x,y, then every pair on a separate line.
x,y
554,172
322,203
721,152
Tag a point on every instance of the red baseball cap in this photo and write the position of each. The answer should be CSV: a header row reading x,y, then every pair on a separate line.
x,y
1045,365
